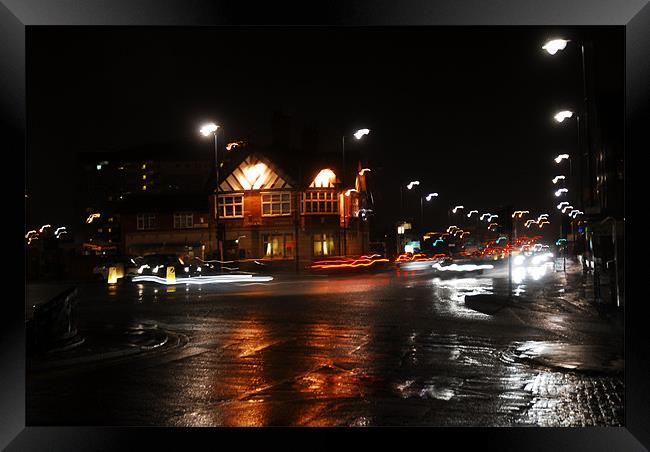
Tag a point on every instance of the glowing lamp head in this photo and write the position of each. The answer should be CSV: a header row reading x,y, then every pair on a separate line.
x,y
561,157
360,133
557,178
562,115
456,208
559,206
431,195
555,45
566,208
560,191
209,128
347,193
411,184
471,212
363,171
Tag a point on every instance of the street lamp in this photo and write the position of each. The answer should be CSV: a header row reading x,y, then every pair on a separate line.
x,y
469,215
559,206
455,209
206,130
361,132
428,197
561,157
560,191
358,135
410,185
554,45
557,178
562,115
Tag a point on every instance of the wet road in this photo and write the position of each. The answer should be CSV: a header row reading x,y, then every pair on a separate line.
x,y
392,348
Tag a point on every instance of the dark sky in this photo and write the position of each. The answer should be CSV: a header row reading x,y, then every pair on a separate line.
x,y
466,110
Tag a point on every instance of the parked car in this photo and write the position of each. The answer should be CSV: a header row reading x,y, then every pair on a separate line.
x,y
126,267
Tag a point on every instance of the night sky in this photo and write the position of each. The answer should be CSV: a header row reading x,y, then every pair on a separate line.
x,y
466,110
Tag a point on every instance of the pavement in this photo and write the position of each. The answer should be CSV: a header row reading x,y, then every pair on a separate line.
x,y
388,348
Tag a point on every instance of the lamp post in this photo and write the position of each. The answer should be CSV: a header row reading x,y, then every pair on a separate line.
x,y
358,135
552,47
206,130
410,185
428,197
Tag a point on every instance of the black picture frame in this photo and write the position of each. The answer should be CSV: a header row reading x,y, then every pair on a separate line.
x,y
17,15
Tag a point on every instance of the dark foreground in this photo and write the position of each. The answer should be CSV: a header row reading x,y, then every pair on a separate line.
x,y
371,349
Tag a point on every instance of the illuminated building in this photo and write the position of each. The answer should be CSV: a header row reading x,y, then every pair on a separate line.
x,y
299,215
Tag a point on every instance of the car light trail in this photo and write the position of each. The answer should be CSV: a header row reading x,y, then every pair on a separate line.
x,y
462,267
217,279
350,263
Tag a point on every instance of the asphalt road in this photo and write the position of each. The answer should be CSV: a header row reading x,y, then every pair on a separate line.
x,y
390,348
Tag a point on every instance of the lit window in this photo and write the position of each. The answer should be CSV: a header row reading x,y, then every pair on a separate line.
x,y
146,221
320,202
183,220
323,244
278,245
231,206
276,204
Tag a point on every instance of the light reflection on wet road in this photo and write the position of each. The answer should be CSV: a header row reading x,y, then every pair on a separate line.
x,y
394,348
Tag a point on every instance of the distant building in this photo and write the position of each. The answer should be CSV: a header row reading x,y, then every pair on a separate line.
x,y
168,224
110,178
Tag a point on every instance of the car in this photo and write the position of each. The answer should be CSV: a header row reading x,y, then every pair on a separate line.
x,y
126,267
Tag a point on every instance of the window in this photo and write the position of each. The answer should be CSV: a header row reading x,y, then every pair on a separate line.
x,y
146,221
323,244
278,245
183,220
320,202
231,206
276,204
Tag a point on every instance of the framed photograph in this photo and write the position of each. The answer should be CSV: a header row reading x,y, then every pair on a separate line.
x,y
352,215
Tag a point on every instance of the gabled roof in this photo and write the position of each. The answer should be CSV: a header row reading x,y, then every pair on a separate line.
x,y
254,171
295,167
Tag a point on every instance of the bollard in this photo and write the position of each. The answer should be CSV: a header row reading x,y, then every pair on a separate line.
x,y
171,275
112,275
